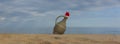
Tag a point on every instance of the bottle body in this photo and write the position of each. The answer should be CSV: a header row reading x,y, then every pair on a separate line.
x,y
59,28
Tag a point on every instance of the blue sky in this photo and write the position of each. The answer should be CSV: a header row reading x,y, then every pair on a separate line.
x,y
17,14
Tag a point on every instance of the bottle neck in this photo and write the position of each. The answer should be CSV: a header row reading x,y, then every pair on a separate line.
x,y
65,19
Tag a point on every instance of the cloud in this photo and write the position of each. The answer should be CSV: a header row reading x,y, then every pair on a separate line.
x,y
37,7
2,18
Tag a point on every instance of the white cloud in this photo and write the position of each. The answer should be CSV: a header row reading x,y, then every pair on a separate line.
x,y
35,7
2,18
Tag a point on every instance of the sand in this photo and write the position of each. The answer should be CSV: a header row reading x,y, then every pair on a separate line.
x,y
59,39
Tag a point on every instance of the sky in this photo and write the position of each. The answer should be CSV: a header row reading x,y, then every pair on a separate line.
x,y
33,14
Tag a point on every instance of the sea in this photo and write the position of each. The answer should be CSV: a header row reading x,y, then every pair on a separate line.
x,y
69,30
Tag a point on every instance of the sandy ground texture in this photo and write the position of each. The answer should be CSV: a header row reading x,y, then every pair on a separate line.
x,y
59,39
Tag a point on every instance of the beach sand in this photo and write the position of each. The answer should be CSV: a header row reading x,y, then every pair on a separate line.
x,y
59,39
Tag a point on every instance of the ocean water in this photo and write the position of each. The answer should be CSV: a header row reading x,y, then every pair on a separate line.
x,y
89,30
78,30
